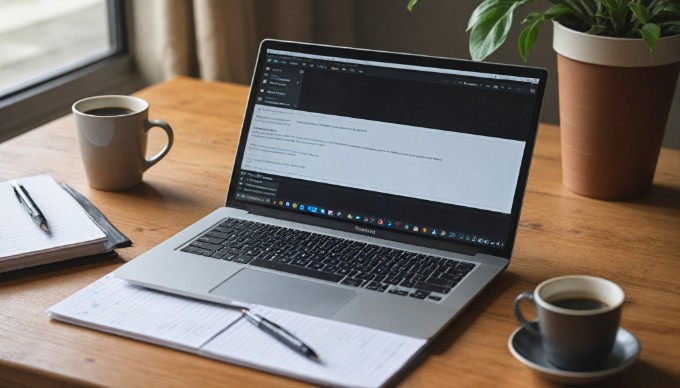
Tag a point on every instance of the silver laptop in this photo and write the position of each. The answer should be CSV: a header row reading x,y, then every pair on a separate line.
x,y
369,187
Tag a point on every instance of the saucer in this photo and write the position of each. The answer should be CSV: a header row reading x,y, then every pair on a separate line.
x,y
528,349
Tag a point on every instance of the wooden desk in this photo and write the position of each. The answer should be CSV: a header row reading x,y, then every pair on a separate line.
x,y
636,244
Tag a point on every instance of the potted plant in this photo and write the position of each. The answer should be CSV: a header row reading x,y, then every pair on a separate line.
x,y
618,63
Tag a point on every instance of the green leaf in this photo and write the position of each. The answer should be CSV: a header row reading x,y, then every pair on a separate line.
x,y
670,28
482,8
616,9
556,11
640,12
491,28
672,9
528,36
596,30
410,5
650,34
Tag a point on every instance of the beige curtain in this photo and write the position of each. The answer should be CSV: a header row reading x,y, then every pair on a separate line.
x,y
218,40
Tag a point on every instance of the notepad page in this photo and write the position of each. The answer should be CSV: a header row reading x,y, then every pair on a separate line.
x,y
350,355
68,223
113,305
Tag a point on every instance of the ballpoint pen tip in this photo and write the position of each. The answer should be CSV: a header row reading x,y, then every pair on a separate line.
x,y
43,226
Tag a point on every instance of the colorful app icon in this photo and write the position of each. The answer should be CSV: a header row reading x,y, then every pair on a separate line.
x,y
294,205
302,207
287,204
415,228
380,221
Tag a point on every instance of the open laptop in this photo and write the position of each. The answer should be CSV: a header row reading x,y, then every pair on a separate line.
x,y
375,188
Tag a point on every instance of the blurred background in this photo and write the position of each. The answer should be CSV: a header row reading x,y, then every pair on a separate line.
x,y
53,53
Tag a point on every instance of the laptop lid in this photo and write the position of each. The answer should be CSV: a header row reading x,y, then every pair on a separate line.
x,y
421,150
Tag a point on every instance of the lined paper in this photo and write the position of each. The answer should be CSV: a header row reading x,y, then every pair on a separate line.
x,y
69,225
350,355
115,306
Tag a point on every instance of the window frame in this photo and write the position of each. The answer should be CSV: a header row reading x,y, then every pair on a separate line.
x,y
51,95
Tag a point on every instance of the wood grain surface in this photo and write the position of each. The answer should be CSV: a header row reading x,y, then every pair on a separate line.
x,y
636,244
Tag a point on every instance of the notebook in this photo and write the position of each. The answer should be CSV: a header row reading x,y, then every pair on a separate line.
x,y
73,231
370,188
350,355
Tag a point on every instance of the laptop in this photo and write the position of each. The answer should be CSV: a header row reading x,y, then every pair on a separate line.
x,y
374,188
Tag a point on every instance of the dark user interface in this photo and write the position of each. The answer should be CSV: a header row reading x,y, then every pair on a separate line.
x,y
500,108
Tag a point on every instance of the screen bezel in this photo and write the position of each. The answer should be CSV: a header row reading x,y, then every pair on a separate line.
x,y
406,59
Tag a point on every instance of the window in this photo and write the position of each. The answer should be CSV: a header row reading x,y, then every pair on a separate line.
x,y
55,52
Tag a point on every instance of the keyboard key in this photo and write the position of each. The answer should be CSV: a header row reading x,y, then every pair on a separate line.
x,y
243,259
354,282
206,245
218,255
419,294
229,257
398,292
432,287
408,283
448,276
223,236
441,282
373,286
212,240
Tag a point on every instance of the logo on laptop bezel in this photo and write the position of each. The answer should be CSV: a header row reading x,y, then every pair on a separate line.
x,y
364,230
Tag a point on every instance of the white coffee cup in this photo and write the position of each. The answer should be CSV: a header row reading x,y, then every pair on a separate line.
x,y
112,135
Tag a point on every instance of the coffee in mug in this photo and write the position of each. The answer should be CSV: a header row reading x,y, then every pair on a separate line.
x,y
112,135
578,319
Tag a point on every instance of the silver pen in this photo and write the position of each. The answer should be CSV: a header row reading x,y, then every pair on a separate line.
x,y
280,334
26,200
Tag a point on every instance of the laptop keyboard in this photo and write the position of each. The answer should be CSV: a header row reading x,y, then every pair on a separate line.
x,y
333,259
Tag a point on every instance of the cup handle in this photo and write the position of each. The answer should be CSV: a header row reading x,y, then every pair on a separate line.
x,y
518,313
148,124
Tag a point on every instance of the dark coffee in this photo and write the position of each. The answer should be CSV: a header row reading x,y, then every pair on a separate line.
x,y
112,111
578,303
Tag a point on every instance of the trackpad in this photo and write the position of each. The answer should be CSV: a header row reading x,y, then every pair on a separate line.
x,y
284,292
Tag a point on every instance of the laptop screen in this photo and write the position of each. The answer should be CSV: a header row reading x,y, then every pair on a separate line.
x,y
405,145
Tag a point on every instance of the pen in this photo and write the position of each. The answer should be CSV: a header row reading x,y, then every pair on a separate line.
x,y
27,201
280,334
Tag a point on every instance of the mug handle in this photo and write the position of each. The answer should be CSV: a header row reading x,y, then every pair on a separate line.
x,y
518,313
148,124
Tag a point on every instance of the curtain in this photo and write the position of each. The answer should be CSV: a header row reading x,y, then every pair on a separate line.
x,y
218,40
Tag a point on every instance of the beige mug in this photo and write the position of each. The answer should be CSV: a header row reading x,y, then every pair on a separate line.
x,y
112,135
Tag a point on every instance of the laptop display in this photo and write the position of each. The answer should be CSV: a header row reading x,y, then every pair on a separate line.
x,y
373,188
389,148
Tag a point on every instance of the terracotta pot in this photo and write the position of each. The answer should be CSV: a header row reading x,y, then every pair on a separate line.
x,y
614,102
